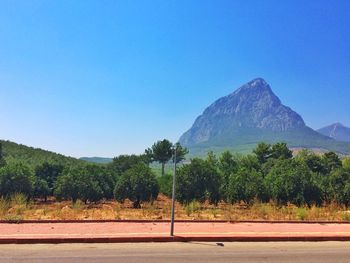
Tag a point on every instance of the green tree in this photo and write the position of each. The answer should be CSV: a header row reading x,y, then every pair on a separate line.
x,y
161,152
227,165
316,164
331,161
245,185
281,151
198,181
291,181
78,183
249,162
16,178
262,152
339,181
2,157
138,184
165,184
49,172
313,161
41,189
122,163
103,178
180,152
346,194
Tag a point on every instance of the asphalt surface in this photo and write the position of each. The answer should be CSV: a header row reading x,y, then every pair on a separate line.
x,y
157,231
281,252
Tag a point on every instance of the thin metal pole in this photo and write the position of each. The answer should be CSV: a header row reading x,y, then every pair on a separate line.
x,y
173,197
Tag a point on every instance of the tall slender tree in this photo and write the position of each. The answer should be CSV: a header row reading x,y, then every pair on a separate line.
x,y
161,152
180,152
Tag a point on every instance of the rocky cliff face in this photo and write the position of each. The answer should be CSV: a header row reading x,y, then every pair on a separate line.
x,y
253,106
336,131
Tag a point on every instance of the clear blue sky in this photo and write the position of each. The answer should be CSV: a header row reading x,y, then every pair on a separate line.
x,y
101,78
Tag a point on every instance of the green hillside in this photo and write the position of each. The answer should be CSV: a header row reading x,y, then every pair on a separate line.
x,y
33,156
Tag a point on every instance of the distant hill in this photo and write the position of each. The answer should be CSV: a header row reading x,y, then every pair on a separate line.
x,y
97,159
336,131
33,156
252,114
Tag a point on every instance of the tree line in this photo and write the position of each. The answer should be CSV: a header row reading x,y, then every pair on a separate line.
x,y
269,173
127,177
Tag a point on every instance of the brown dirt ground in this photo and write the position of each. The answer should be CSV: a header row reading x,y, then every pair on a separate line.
x,y
160,209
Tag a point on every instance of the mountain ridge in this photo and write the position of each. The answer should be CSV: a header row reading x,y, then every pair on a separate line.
x,y
337,131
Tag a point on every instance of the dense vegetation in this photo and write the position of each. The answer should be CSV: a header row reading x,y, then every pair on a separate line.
x,y
33,156
269,173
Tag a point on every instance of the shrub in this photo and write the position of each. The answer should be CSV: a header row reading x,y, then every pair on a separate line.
x,y
4,206
16,178
165,184
77,183
339,186
41,189
292,181
137,184
244,186
198,181
104,179
346,164
48,172
192,207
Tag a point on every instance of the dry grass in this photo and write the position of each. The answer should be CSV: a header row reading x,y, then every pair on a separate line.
x,y
17,208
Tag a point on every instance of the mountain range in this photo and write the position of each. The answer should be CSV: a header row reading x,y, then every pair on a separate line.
x,y
336,131
249,115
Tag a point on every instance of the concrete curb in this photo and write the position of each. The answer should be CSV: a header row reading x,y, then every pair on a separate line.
x,y
168,221
156,239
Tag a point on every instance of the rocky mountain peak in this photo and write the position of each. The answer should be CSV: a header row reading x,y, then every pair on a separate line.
x,y
258,84
253,106
336,131
338,124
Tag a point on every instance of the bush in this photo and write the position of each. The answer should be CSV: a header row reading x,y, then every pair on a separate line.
x,y
198,181
314,162
227,165
122,163
346,164
41,189
16,178
78,183
245,186
292,181
339,186
104,179
138,184
166,184
331,161
192,207
48,172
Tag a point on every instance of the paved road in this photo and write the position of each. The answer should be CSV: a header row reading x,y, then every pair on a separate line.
x,y
127,232
283,252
